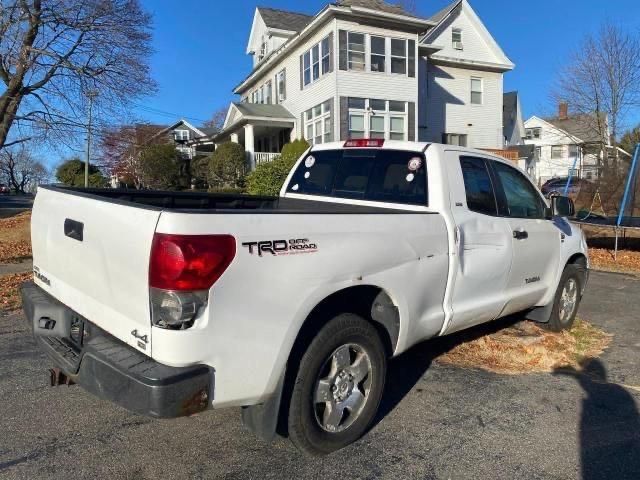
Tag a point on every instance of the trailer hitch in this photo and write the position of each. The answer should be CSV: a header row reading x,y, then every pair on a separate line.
x,y
58,377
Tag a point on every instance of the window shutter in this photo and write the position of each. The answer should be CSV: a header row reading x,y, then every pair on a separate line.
x,y
302,132
276,98
412,122
342,60
331,115
411,58
331,52
344,118
301,72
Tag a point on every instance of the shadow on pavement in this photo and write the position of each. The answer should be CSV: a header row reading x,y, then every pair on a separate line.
x,y
405,371
609,426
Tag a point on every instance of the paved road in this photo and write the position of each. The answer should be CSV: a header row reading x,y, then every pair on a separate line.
x,y
12,204
437,422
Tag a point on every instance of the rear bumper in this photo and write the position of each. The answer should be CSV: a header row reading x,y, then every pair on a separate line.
x,y
110,369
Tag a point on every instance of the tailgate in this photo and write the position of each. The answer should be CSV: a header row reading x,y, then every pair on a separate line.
x,y
92,254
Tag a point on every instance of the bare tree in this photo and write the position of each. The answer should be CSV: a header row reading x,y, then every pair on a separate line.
x,y
602,81
54,54
20,169
217,119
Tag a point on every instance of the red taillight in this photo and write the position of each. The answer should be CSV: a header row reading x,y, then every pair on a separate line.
x,y
189,262
364,142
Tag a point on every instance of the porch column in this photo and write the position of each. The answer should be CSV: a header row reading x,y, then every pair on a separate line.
x,y
248,145
234,138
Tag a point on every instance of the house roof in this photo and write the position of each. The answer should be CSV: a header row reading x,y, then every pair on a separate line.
x,y
582,126
379,5
438,17
283,19
262,110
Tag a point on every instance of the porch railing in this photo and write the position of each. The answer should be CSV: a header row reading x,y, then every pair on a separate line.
x,y
263,157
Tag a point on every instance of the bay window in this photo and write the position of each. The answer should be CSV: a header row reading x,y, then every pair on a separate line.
x,y
319,123
398,56
374,118
378,54
316,61
355,51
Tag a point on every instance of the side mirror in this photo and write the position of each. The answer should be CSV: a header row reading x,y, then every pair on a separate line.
x,y
562,206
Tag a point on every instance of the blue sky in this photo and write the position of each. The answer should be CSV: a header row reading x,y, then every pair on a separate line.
x,y
200,46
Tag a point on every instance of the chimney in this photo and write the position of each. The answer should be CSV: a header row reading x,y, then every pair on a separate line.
x,y
563,111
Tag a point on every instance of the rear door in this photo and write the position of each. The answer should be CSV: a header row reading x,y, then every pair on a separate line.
x,y
92,254
535,239
484,246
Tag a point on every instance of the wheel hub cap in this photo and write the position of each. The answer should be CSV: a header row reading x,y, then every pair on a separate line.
x,y
342,388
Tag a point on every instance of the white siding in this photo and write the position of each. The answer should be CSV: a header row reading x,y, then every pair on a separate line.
x,y
478,45
298,101
548,167
449,108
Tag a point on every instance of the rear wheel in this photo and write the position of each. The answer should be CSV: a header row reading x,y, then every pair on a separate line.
x,y
338,386
567,299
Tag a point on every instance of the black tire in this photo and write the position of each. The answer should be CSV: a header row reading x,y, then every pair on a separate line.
x,y
304,424
559,321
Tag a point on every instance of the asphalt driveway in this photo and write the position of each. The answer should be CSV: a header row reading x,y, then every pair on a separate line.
x,y
436,421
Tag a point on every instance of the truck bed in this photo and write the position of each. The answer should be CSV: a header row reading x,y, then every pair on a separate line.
x,y
202,202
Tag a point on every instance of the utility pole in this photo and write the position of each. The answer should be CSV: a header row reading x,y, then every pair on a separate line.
x,y
91,94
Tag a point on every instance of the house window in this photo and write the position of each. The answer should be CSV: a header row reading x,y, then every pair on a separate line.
x,y
326,53
281,86
378,54
318,124
476,91
307,67
456,38
355,51
316,61
181,135
374,118
455,139
573,151
398,56
267,92
263,51
533,133
557,151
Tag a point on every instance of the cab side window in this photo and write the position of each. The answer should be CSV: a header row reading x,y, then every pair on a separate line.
x,y
521,197
481,197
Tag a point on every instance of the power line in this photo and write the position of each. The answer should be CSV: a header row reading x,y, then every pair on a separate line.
x,y
165,113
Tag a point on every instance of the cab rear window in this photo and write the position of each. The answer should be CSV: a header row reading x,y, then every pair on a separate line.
x,y
392,176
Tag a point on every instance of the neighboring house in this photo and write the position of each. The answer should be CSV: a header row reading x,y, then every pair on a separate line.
x,y
189,140
364,68
568,144
512,123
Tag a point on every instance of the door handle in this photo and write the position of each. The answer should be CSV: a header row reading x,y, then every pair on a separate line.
x,y
74,229
520,234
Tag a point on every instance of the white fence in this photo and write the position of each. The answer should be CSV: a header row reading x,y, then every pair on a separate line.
x,y
262,157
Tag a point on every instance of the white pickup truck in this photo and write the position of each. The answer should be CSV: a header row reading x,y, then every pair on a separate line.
x,y
172,303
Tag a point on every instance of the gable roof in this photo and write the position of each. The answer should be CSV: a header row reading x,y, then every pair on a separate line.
x,y
438,17
582,126
283,19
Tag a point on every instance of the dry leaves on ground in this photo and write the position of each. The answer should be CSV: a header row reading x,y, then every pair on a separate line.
x,y
15,238
9,290
603,259
526,348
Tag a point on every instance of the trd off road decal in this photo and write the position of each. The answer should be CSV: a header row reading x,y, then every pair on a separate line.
x,y
281,247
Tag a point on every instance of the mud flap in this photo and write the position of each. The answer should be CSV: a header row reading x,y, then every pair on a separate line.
x,y
262,419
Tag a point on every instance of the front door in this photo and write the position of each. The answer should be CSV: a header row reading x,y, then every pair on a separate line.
x,y
535,238
484,246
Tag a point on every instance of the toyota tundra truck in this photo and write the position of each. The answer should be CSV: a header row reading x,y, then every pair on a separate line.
x,y
290,307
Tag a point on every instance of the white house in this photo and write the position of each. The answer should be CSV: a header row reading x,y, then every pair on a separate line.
x,y
364,68
568,144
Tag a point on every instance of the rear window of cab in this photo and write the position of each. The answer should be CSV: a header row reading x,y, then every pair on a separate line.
x,y
391,176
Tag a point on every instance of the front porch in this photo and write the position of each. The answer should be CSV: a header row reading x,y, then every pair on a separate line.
x,y
261,129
